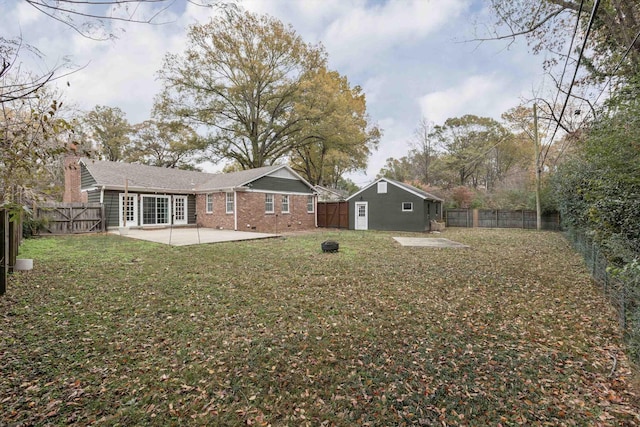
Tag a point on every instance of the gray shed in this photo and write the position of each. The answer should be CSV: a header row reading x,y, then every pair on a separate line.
x,y
387,204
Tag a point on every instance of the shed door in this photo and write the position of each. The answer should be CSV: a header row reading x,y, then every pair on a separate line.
x,y
362,216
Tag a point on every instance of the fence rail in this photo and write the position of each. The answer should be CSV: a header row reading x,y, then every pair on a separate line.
x,y
496,218
70,218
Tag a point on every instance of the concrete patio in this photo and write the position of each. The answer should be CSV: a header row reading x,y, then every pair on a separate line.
x,y
428,242
183,236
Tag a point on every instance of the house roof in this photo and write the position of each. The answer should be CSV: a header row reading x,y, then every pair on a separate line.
x,y
239,179
410,188
112,175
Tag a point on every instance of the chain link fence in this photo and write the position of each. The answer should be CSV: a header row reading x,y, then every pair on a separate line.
x,y
620,285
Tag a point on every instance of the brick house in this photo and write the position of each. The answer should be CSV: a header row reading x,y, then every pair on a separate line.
x,y
271,199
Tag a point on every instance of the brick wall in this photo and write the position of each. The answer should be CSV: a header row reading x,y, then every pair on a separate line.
x,y
218,218
250,208
72,182
252,216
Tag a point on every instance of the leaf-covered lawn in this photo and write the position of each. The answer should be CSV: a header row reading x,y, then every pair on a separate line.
x,y
112,331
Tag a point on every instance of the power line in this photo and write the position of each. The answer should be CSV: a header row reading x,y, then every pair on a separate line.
x,y
566,62
573,79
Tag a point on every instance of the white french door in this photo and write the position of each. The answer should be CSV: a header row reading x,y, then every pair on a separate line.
x,y
180,213
128,216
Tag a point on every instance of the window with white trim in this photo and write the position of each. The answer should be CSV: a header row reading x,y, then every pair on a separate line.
x,y
268,203
230,202
407,206
285,203
382,187
310,204
209,203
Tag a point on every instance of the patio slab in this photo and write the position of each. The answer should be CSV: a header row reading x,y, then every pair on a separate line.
x,y
429,242
183,236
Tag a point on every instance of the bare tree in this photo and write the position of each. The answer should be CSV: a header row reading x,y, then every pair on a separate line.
x,y
423,145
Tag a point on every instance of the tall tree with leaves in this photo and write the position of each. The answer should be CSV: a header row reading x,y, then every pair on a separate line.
x,y
336,136
240,78
165,144
32,136
109,132
398,169
468,143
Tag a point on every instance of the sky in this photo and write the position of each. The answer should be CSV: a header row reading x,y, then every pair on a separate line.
x,y
413,59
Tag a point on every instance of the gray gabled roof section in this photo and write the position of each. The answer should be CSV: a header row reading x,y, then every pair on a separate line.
x,y
112,175
223,181
410,188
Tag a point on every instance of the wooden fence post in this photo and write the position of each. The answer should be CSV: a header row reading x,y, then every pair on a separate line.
x,y
15,234
4,250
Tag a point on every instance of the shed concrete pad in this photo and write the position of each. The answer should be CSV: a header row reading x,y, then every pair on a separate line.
x,y
429,242
183,236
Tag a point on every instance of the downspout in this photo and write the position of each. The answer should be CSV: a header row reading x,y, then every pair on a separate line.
x,y
235,209
315,209
103,213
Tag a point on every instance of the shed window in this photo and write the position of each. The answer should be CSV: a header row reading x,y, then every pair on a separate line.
x,y
268,203
382,187
285,203
209,203
407,206
230,203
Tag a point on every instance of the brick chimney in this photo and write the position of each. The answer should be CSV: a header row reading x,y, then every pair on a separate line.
x,y
72,178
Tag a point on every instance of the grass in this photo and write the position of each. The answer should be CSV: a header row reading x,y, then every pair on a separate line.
x,y
111,331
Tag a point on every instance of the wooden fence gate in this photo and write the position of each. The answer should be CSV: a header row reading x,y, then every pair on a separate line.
x,y
70,218
333,214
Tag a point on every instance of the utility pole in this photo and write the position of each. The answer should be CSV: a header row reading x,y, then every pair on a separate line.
x,y
538,167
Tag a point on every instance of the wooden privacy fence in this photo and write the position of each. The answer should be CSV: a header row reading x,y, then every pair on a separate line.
x,y
70,218
496,218
333,214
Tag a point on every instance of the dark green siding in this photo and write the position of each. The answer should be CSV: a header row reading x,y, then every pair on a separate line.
x,y
191,209
385,210
93,196
111,208
434,210
280,185
86,180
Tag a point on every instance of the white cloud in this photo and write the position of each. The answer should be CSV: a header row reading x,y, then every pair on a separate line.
x,y
27,14
482,95
363,31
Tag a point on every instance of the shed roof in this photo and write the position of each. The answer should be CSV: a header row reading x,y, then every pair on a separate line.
x,y
410,188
